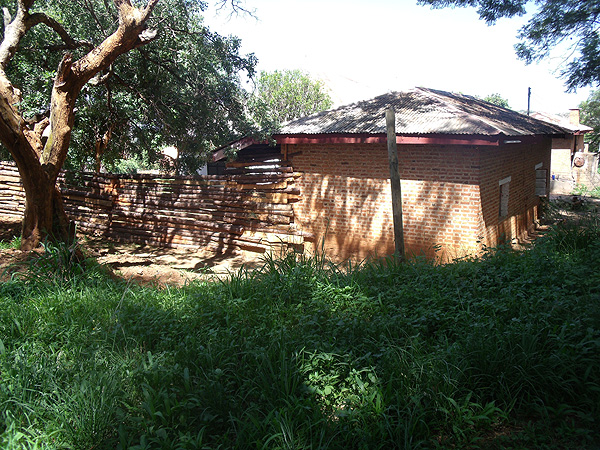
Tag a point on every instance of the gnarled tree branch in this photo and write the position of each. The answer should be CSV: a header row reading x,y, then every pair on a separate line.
x,y
131,33
13,33
70,43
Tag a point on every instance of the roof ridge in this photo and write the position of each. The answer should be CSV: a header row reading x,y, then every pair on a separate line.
x,y
461,112
423,111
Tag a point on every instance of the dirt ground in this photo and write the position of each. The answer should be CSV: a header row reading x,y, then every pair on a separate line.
x,y
154,265
143,263
161,266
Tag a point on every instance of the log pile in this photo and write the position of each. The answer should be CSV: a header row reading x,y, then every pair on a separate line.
x,y
248,207
12,195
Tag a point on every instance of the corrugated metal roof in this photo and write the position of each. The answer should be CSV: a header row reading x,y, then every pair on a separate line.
x,y
422,111
562,122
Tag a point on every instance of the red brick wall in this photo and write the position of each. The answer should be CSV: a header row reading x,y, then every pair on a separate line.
x,y
519,162
346,198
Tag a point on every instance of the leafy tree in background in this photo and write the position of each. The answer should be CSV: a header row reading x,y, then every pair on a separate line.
x,y
181,91
573,23
590,116
497,99
285,95
178,85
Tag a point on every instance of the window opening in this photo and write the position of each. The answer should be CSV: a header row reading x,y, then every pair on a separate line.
x,y
504,192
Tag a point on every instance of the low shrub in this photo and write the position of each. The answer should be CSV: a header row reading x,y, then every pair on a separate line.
x,y
501,352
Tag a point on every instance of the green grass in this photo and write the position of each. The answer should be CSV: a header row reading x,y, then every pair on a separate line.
x,y
583,190
15,243
498,353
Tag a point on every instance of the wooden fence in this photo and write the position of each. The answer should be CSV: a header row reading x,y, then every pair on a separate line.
x,y
12,196
248,207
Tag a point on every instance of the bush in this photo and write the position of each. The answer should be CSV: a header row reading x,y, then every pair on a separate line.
x,y
501,352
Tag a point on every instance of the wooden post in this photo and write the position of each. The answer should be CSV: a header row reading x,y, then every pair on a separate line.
x,y
390,121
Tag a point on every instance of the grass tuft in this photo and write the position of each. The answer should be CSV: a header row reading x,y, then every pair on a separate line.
x,y
500,352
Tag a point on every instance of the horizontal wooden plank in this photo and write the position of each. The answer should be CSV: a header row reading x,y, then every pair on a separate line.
x,y
13,188
249,207
156,221
260,169
236,163
85,201
217,247
247,183
240,217
210,211
175,239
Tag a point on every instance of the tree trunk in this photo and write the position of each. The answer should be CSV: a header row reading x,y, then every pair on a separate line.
x,y
39,164
100,148
44,218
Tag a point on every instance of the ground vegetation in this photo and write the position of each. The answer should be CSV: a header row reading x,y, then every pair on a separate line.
x,y
498,352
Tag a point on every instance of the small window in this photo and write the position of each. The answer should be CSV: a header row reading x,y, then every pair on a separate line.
x,y
504,191
541,180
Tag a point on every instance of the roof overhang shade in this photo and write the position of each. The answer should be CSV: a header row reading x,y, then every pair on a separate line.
x,y
423,116
432,139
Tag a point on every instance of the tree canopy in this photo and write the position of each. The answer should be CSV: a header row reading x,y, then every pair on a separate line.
x,y
285,95
183,90
497,99
82,75
570,24
590,116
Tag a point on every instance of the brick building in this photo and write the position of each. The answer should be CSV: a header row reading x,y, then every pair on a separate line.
x,y
568,153
469,172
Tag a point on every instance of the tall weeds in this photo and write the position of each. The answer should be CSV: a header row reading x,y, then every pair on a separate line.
x,y
502,352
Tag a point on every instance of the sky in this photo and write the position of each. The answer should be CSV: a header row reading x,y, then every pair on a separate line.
x,y
364,48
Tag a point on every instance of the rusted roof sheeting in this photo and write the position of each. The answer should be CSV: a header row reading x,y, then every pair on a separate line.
x,y
578,128
422,111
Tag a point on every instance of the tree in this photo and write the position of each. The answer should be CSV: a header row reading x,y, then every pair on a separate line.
x,y
590,116
69,51
573,23
497,99
183,91
285,95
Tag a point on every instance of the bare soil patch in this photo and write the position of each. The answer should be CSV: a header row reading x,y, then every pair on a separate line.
x,y
141,263
147,264
570,206
168,266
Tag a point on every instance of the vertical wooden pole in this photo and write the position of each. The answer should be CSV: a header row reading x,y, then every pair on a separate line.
x,y
390,121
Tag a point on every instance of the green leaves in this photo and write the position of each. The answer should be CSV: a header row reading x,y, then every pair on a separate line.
x,y
570,26
181,90
497,99
285,95
590,116
501,352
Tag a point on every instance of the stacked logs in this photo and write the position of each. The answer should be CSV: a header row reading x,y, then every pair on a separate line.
x,y
12,195
248,207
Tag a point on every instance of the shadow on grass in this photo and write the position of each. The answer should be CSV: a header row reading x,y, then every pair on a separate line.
x,y
302,354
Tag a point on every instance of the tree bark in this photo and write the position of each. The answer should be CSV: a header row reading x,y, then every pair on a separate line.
x,y
44,217
101,145
39,164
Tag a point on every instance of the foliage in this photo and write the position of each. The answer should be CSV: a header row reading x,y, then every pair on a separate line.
x,y
13,243
183,89
501,352
582,189
134,164
285,95
497,99
590,116
570,25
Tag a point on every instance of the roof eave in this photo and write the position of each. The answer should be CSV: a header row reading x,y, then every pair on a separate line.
x,y
238,145
407,139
